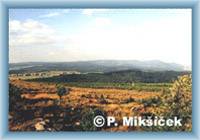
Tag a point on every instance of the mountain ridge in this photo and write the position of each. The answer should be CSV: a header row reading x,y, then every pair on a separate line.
x,y
98,66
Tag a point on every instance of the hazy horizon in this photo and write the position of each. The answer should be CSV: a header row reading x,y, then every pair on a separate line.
x,y
68,35
91,60
187,68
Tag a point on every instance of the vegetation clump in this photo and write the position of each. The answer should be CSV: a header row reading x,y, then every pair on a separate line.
x,y
88,115
179,102
62,90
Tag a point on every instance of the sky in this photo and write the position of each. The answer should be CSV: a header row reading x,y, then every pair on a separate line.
x,y
59,35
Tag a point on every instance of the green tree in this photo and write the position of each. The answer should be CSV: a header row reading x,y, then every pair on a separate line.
x,y
179,101
61,90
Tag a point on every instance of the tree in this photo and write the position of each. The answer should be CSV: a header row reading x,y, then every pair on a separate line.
x,y
61,90
176,102
179,101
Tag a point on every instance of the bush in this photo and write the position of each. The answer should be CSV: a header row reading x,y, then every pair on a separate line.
x,y
154,101
129,100
15,99
61,90
102,100
88,115
179,102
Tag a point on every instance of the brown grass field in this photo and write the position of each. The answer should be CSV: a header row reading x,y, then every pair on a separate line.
x,y
117,102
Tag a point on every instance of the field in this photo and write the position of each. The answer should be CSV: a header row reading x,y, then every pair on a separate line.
x,y
128,86
38,106
117,102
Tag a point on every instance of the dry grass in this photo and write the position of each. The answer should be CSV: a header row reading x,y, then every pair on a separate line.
x,y
116,101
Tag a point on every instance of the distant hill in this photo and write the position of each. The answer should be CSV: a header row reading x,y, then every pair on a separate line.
x,y
127,76
95,66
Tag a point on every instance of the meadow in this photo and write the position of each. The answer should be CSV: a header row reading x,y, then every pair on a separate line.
x,y
128,86
71,106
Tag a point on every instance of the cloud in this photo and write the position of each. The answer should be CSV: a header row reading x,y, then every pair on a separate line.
x,y
90,12
102,22
65,11
160,39
51,53
29,33
52,14
167,38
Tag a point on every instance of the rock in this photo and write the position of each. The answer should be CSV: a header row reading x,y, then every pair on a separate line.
x,y
40,126
10,117
77,123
